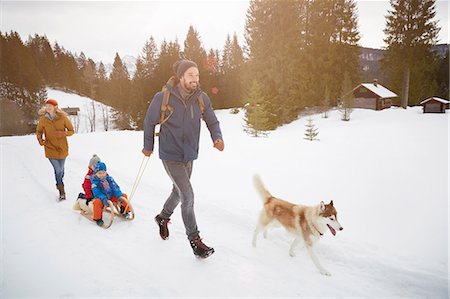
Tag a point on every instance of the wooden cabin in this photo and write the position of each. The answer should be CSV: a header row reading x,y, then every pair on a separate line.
x,y
372,96
435,105
71,111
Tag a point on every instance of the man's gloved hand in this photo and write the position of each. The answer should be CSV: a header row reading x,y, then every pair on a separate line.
x,y
219,144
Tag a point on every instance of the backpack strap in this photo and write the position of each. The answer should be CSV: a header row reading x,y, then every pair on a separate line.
x,y
165,102
201,104
165,106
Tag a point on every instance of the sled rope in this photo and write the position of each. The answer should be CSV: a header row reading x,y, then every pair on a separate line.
x,y
138,178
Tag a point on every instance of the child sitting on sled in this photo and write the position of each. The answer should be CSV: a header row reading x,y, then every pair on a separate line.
x,y
104,188
83,199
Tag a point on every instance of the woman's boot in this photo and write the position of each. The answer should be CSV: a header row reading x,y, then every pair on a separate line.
x,y
62,193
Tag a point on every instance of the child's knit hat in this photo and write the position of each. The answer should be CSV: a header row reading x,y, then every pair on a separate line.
x,y
99,166
94,161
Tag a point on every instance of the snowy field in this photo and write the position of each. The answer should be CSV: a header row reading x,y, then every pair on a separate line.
x,y
386,172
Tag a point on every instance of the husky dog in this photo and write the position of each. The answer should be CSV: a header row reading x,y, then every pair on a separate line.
x,y
304,222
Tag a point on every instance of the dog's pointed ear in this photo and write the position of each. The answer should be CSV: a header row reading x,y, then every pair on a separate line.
x,y
322,206
331,203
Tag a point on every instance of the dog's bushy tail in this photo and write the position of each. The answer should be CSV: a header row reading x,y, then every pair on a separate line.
x,y
262,190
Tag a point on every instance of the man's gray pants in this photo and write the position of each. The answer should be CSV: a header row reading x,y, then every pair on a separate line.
x,y
180,174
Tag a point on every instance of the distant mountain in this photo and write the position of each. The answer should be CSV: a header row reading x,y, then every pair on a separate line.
x,y
370,61
441,49
129,62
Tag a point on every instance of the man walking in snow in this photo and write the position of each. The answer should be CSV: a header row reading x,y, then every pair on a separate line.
x,y
179,143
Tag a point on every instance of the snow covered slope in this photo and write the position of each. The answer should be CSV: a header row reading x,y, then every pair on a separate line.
x,y
386,171
86,107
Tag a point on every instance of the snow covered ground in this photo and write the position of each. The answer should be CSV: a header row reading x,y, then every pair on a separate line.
x,y
386,172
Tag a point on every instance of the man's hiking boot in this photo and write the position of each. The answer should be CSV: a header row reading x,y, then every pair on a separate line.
x,y
200,249
99,222
163,229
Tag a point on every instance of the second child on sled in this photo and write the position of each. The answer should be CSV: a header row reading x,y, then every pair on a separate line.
x,y
104,188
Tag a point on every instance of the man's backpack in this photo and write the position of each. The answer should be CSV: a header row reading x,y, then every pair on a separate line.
x,y
165,102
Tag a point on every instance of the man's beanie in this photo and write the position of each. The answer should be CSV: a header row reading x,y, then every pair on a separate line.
x,y
94,161
181,66
52,102
99,166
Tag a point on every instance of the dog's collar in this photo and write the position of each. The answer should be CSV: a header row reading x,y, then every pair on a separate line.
x,y
317,229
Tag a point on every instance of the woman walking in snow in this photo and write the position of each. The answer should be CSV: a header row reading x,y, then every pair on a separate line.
x,y
52,130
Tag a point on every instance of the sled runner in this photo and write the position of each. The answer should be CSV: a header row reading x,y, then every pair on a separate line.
x,y
113,209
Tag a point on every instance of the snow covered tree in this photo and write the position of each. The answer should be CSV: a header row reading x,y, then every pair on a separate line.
x,y
311,131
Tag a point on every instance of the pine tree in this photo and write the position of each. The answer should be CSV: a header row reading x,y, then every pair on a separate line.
x,y
326,103
210,79
226,55
143,83
410,33
169,53
21,83
149,59
231,73
273,39
330,35
102,84
193,49
311,131
442,75
347,98
235,74
257,114
89,78
43,57
119,85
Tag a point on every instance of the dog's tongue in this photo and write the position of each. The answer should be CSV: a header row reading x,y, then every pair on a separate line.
x,y
333,231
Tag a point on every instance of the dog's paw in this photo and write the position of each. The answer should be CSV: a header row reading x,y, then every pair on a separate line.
x,y
292,254
325,272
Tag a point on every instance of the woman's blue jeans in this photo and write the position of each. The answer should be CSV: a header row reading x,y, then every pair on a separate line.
x,y
58,166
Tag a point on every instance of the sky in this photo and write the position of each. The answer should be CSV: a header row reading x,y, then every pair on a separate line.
x,y
100,29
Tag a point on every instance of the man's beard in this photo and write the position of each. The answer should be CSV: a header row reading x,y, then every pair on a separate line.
x,y
190,86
